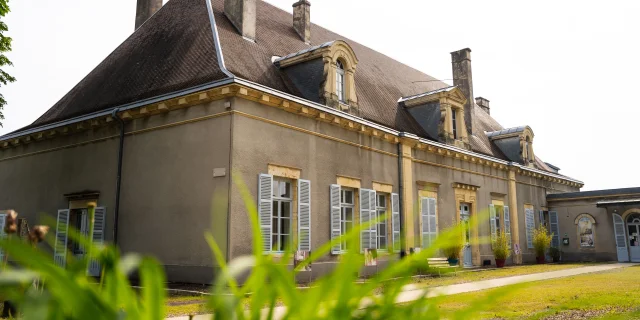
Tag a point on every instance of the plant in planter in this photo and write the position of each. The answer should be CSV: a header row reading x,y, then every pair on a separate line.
x,y
555,254
501,249
453,248
541,243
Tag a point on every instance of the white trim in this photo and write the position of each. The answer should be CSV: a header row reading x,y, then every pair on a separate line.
x,y
216,39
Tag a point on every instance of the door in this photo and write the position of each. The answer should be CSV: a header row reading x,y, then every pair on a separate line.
x,y
633,228
467,260
621,239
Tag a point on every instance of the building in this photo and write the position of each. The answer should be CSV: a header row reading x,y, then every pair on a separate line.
x,y
325,132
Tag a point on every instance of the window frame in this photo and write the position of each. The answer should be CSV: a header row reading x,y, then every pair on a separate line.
x,y
454,123
344,207
276,214
340,81
382,213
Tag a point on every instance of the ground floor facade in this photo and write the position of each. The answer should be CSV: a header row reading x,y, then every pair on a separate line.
x,y
312,174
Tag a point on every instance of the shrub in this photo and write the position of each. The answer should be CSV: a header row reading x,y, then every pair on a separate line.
x,y
454,245
555,254
500,247
541,241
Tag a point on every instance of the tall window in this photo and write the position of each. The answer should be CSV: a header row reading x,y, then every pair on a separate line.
x,y
381,209
346,214
454,123
340,80
281,215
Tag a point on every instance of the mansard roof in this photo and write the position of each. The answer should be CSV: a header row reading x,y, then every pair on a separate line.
x,y
175,50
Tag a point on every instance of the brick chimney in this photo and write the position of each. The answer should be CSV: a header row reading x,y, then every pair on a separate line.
x,y
145,9
461,65
242,14
484,104
302,20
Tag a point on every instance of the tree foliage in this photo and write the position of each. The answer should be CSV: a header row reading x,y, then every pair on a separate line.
x,y
5,46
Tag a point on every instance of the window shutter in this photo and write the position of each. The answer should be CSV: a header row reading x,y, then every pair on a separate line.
x,y
367,215
97,238
395,221
554,227
433,224
304,215
621,239
335,218
373,214
265,206
62,230
492,222
507,225
3,235
530,225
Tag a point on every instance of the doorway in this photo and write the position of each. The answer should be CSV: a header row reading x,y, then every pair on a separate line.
x,y
633,234
465,217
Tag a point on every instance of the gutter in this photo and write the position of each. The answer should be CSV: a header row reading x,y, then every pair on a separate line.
x,y
114,114
403,249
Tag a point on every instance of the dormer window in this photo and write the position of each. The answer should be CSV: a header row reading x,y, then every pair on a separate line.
x,y
516,144
454,124
340,81
324,74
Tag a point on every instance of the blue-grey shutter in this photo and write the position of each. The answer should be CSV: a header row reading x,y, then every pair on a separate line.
x,y
554,227
507,225
304,215
97,238
395,221
492,222
62,231
530,224
373,214
367,216
621,239
3,235
265,207
335,219
433,223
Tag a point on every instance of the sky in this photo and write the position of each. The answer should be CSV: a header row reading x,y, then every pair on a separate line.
x,y
564,68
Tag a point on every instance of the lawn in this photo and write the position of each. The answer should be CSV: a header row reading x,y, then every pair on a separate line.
x,y
184,305
612,294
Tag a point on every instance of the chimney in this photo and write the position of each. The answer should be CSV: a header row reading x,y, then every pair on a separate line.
x,y
302,20
242,14
483,103
461,65
145,9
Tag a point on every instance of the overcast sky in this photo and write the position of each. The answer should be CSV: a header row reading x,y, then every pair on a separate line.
x,y
568,69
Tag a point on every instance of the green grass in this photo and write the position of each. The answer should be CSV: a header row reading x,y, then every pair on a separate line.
x,y
469,276
609,294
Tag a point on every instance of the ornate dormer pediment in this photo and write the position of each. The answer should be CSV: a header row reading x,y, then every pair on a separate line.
x,y
335,85
516,143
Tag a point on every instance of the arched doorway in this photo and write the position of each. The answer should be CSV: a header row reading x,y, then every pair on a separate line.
x,y
633,236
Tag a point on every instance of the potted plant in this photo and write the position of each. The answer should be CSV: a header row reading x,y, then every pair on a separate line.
x,y
541,243
501,249
555,254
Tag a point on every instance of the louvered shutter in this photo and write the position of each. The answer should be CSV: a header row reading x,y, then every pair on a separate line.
x,y
621,239
373,214
530,225
507,225
335,218
62,231
433,224
395,221
3,235
554,227
265,207
97,238
367,216
492,222
304,215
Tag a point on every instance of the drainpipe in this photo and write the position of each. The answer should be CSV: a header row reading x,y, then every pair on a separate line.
x,y
403,249
114,114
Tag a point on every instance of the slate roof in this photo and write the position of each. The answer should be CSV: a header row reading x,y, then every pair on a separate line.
x,y
174,50
496,134
595,193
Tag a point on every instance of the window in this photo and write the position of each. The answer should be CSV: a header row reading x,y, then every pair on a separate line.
x,y
340,90
281,215
454,123
381,209
79,221
346,214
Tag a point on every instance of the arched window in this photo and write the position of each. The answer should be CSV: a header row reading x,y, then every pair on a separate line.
x,y
634,218
586,230
340,81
